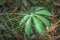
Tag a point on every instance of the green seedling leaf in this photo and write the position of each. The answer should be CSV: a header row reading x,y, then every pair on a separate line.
x,y
28,28
22,21
44,20
38,26
39,8
44,12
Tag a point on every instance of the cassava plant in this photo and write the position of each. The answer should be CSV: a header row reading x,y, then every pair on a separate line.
x,y
35,18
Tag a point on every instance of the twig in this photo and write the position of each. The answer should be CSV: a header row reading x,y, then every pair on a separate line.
x,y
48,35
54,26
15,9
21,14
56,3
58,37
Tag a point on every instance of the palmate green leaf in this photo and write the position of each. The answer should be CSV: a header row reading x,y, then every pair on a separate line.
x,y
2,1
34,9
43,12
38,26
22,21
28,28
39,8
44,20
